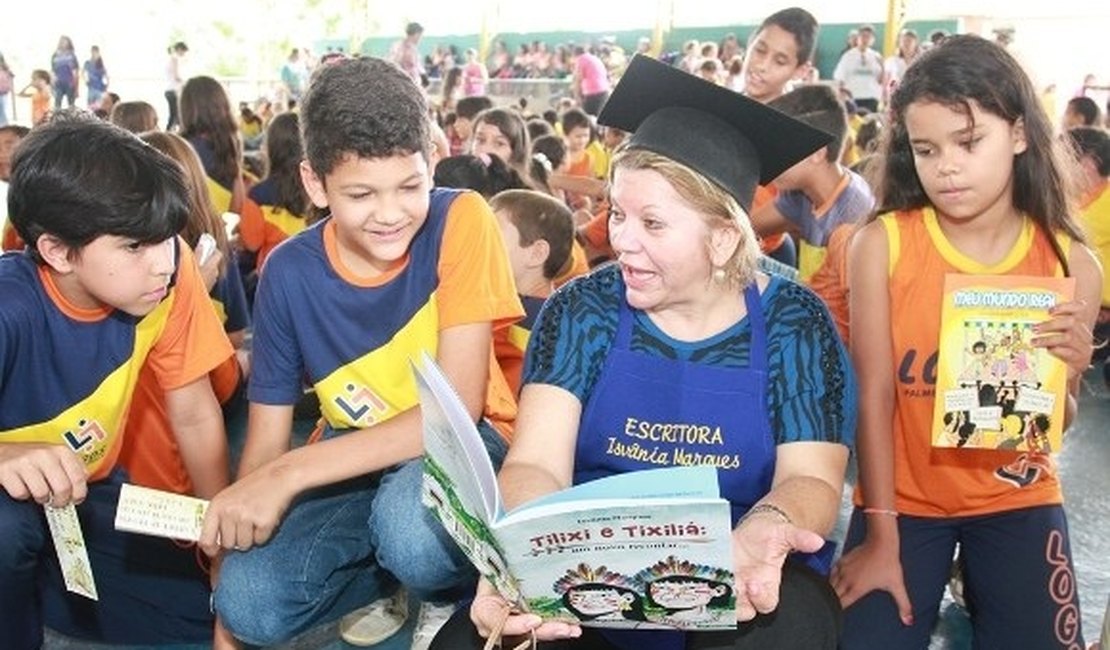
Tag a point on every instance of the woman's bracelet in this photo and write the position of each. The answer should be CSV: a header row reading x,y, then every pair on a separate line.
x,y
880,511
767,507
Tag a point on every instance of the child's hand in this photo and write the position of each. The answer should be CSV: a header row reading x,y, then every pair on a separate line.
x,y
760,545
1067,336
49,474
492,616
246,513
871,566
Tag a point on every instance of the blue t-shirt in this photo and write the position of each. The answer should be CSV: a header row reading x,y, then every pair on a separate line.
x,y
65,66
95,74
812,388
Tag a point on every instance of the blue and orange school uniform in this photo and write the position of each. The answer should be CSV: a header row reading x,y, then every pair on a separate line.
x,y
150,452
510,343
1003,508
69,378
353,338
263,224
344,545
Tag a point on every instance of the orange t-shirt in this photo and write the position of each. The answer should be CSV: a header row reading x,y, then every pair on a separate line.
x,y
765,194
940,482
149,450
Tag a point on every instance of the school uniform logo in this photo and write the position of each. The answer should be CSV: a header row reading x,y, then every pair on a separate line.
x,y
89,440
360,404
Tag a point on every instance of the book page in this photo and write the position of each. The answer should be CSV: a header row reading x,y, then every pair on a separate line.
x,y
691,482
459,484
995,389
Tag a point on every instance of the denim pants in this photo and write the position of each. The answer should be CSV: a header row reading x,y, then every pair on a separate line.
x,y
341,547
151,590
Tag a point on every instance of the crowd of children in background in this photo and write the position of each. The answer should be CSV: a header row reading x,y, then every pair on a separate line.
x,y
256,175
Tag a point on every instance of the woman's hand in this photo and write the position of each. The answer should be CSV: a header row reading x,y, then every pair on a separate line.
x,y
760,545
1067,336
873,565
492,614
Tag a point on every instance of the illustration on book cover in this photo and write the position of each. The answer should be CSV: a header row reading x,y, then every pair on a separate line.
x,y
995,388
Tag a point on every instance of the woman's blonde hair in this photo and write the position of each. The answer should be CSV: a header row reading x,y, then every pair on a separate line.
x,y
718,207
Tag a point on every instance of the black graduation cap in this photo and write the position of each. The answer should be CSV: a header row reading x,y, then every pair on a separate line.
x,y
732,140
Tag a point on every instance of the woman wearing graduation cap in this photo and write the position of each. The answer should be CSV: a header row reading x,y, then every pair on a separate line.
x,y
683,330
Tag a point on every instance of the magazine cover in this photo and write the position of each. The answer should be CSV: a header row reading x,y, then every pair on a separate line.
x,y
647,549
994,389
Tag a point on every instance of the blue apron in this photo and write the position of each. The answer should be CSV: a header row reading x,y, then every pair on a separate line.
x,y
646,411
670,412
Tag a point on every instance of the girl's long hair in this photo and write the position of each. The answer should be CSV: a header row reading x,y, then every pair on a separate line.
x,y
202,216
206,113
284,153
962,70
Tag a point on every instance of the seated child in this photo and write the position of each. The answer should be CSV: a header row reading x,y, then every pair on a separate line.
x,y
538,231
104,289
819,201
396,269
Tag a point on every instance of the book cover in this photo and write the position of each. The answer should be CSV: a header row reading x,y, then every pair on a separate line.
x,y
994,389
647,549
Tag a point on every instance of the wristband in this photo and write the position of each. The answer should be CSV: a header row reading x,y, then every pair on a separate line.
x,y
880,511
768,507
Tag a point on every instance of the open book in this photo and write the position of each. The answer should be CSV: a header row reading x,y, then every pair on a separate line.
x,y
647,549
994,389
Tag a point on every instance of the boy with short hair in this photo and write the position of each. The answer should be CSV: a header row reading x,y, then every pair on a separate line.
x,y
104,289
466,109
397,269
779,52
819,201
538,231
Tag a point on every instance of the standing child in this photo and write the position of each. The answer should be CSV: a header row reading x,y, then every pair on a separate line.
x,y
96,78
972,182
39,92
397,269
780,53
819,201
105,289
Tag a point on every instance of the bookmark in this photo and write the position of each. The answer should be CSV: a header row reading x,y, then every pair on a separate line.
x,y
158,513
73,557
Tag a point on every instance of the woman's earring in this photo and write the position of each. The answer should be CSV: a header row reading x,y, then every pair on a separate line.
x,y
719,275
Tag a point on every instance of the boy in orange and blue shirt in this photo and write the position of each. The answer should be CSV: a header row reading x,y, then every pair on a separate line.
x,y
104,290
819,201
396,269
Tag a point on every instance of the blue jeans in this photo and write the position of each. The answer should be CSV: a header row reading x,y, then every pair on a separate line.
x,y
341,547
151,590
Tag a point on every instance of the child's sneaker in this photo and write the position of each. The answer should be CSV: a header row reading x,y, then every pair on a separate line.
x,y
376,622
431,618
